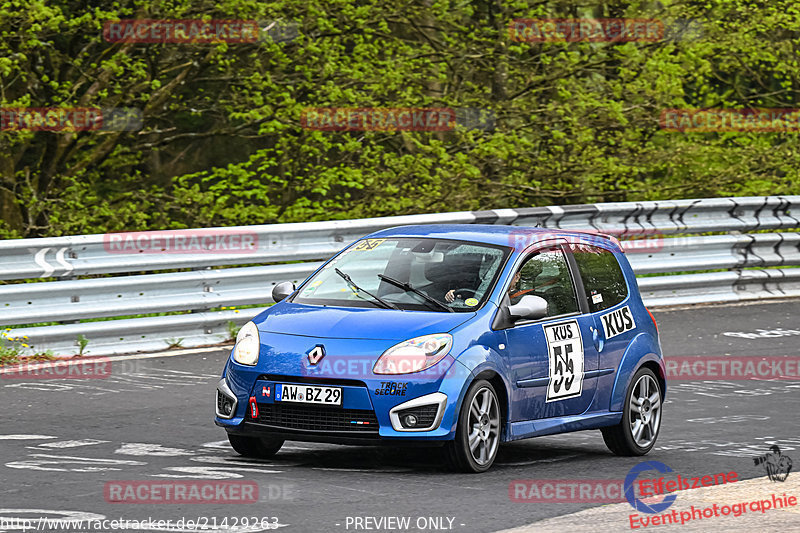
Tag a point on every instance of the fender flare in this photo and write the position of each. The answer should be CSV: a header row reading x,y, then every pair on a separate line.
x,y
631,361
478,359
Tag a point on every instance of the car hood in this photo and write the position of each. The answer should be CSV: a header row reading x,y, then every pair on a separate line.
x,y
355,323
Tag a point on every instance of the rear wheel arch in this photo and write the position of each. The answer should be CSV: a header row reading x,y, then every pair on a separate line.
x,y
659,372
642,350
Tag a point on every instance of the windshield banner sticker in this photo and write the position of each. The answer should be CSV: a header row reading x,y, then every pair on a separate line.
x,y
368,244
565,354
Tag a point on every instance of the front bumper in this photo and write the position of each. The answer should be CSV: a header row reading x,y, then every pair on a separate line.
x,y
370,413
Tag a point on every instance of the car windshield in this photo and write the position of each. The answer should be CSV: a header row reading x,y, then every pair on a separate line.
x,y
421,274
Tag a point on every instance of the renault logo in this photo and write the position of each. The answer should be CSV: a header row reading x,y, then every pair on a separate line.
x,y
316,354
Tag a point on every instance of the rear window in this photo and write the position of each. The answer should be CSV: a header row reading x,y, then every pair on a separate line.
x,y
602,276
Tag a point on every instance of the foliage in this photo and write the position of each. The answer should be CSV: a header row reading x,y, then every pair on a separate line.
x,y
82,342
174,342
222,142
13,349
233,331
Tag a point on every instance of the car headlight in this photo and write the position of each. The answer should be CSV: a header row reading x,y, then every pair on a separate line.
x,y
414,355
245,351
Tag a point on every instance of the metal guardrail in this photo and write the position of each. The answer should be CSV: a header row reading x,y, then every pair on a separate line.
x,y
67,257
198,291
743,285
680,254
144,294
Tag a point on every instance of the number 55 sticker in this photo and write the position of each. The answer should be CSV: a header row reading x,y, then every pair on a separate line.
x,y
565,353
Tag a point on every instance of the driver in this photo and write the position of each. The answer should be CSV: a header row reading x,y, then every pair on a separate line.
x,y
513,291
462,271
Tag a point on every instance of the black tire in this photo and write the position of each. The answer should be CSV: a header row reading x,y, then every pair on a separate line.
x,y
620,439
458,451
259,448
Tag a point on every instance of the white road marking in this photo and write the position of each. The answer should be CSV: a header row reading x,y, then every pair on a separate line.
x,y
218,444
113,359
154,450
212,472
40,386
123,383
49,463
225,445
25,437
71,443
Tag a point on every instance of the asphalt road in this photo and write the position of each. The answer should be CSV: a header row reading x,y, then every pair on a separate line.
x,y
62,440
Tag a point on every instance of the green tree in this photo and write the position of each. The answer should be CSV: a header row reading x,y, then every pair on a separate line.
x,y
223,144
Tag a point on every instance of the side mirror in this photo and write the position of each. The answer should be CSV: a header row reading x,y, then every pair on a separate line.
x,y
530,307
282,290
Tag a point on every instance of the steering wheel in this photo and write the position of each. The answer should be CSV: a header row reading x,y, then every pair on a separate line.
x,y
473,291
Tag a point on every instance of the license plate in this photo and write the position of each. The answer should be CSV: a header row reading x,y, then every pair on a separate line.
x,y
308,394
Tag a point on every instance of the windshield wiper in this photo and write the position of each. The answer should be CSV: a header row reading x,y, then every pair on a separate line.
x,y
408,287
352,285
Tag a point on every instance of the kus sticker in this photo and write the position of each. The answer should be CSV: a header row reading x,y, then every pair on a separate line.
x,y
565,354
617,322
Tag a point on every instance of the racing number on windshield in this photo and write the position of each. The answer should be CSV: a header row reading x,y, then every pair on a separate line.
x,y
565,352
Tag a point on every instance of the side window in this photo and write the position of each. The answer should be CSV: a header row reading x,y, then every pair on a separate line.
x,y
602,277
546,274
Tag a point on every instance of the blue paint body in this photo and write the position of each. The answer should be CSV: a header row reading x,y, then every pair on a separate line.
x,y
516,358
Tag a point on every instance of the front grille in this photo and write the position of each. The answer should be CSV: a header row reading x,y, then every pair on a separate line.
x,y
317,418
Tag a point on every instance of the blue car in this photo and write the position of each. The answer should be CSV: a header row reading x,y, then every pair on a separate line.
x,y
462,336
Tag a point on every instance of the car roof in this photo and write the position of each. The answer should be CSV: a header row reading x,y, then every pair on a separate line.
x,y
517,237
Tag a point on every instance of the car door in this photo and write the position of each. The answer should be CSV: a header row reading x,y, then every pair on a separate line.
x,y
606,293
550,357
